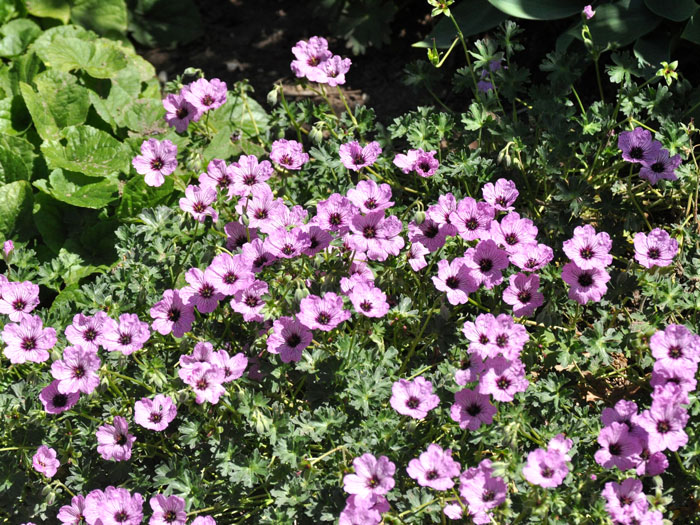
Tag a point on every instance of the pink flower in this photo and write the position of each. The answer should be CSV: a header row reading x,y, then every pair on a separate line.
x,y
45,462
416,256
441,213
507,337
172,315
358,512
625,501
429,233
333,70
205,95
197,202
233,366
472,219
203,353
167,510
513,232
288,339
481,489
657,248
413,398
257,255
503,378
588,12
238,234
77,371
472,409
485,262
368,300
480,334
522,294
157,159
7,248
434,468
288,154
356,157
204,520
502,195
376,236
471,369
201,291
260,206
206,381
617,447
126,337
28,340
288,244
87,330
423,163
18,299
114,441
309,56
661,166
586,285
532,257
155,414
113,507
456,280
589,249
74,513
249,301
373,477
546,468
178,112
217,178
56,402
677,346
322,313
369,196
335,213
249,174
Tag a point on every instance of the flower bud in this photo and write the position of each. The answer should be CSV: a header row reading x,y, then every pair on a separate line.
x,y
419,217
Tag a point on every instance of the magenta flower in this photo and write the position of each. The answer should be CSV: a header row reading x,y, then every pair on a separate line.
x,y
178,112
623,412
618,447
358,512
288,339
588,12
375,235
28,340
203,352
237,235
204,520
356,157
7,248
664,422
157,159
249,301
429,233
660,166
228,274
114,441
665,372
319,239
88,330
522,294
589,249
486,262
677,346
335,213
113,507
77,371
126,337
422,162
480,334
248,174
197,202
260,206
455,278
206,380
657,248
233,366
368,300
201,291
472,409
481,489
74,513
155,414
309,56
503,378
369,196
167,510
625,501
513,232
56,402
507,337
471,368
638,145
217,178
545,468
434,468
413,398
44,461
205,95
18,299
288,154
532,257
373,477
561,445
441,213
322,313
257,255
416,256
333,70
288,244
586,285
171,314
502,195
472,219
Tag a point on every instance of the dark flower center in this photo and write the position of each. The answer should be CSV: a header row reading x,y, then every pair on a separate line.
x,y
286,160
59,400
202,384
483,339
371,203
207,100
260,261
288,249
431,231
358,159
314,242
501,201
431,475
260,214
585,279
547,472
452,282
413,402
675,352
121,440
366,306
125,339
174,315
170,516
615,449
79,372
223,182
424,166
637,152
323,318
249,180
199,207
626,500
489,495
252,301
90,334
28,344
293,340
335,219
654,253
474,409
524,296
121,516
313,61
485,265
586,253
531,263
501,340
230,278
658,167
503,383
472,224
373,482
156,417
206,291
182,112
157,164
511,239
662,427
369,232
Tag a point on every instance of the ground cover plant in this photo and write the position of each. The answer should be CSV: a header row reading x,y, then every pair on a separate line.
x,y
485,314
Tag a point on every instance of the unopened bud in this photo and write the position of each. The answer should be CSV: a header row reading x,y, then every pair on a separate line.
x,y
419,217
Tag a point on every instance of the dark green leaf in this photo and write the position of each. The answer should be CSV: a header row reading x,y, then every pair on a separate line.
x,y
165,22
48,219
17,35
15,205
692,30
677,10
137,195
540,9
78,190
104,17
473,18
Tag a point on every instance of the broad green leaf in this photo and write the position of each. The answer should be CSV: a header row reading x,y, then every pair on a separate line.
x,y
16,159
40,112
540,9
69,295
87,150
67,101
79,190
99,59
16,36
9,10
235,113
473,18
48,219
47,38
15,205
122,108
692,30
59,9
676,10
653,49
146,115
165,22
137,195
104,17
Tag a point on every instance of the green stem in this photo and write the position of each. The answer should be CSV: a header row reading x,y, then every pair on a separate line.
x,y
296,125
347,108
634,199
466,53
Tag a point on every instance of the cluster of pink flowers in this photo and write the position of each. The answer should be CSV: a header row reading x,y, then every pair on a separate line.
x,y
548,468
422,162
316,63
638,146
479,493
372,480
590,255
193,101
206,371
